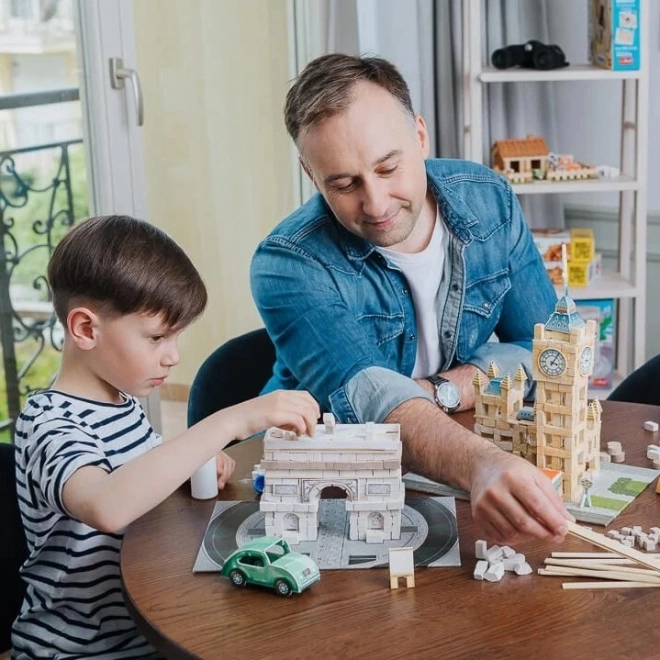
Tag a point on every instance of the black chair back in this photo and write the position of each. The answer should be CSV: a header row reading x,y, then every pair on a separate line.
x,y
641,386
233,373
13,548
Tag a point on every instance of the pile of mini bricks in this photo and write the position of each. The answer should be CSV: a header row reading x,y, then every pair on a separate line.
x,y
494,561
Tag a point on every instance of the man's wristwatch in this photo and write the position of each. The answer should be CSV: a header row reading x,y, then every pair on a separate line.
x,y
445,393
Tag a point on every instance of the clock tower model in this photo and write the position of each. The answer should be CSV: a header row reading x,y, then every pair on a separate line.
x,y
567,423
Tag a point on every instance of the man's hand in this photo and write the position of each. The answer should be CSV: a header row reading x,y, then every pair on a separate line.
x,y
511,498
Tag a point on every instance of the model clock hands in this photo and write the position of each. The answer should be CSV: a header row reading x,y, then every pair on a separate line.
x,y
552,362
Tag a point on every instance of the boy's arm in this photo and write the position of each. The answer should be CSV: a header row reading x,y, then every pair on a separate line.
x,y
110,501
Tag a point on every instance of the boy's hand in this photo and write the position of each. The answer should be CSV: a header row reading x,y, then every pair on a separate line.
x,y
226,465
295,410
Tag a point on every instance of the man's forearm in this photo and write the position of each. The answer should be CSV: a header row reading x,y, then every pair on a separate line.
x,y
436,446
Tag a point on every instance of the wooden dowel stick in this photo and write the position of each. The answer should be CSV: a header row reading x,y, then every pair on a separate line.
x,y
597,555
607,585
607,575
620,561
614,546
576,563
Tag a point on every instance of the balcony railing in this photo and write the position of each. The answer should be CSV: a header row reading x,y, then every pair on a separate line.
x,y
36,209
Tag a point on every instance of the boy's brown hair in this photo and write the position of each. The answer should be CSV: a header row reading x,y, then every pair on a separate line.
x,y
125,266
325,86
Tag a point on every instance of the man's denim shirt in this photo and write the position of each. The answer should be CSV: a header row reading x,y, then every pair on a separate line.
x,y
342,318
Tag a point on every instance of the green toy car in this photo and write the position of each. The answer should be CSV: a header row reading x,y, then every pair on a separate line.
x,y
269,562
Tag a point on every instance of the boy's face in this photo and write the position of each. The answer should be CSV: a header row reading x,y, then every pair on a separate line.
x,y
133,353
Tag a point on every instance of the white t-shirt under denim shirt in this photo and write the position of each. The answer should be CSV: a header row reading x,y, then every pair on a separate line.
x,y
73,606
424,272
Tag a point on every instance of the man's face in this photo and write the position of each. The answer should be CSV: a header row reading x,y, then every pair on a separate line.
x,y
368,163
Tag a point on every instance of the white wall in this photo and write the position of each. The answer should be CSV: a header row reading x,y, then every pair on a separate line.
x,y
590,112
218,160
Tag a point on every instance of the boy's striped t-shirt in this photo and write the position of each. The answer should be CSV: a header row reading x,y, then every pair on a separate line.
x,y
73,606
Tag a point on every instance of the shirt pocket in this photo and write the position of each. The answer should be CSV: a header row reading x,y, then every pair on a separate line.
x,y
385,331
482,308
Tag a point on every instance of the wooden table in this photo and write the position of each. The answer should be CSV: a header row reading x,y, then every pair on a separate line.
x,y
354,614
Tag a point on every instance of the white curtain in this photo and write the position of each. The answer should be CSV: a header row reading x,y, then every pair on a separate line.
x,y
423,38
511,110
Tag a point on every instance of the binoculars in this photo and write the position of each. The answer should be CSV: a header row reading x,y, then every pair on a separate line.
x,y
530,55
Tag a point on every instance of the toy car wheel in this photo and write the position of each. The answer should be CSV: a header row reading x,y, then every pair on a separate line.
x,y
237,578
283,588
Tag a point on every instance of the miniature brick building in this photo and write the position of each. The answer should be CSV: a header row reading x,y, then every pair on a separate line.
x,y
519,157
562,430
364,460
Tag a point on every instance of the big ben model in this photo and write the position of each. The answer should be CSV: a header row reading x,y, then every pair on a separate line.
x,y
561,431
567,423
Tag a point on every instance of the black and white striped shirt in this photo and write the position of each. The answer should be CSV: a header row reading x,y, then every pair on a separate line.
x,y
73,606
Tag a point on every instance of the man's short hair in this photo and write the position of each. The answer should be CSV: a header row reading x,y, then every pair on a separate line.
x,y
325,86
125,266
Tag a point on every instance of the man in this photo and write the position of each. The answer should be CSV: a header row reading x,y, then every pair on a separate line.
x,y
399,270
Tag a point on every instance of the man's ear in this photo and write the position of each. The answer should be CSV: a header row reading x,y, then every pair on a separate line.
x,y
308,171
82,324
422,135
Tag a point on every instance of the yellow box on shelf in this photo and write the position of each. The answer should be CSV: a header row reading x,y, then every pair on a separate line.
x,y
582,273
583,245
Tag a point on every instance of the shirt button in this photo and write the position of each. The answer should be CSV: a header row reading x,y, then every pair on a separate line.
x,y
447,334
486,305
454,286
404,292
411,337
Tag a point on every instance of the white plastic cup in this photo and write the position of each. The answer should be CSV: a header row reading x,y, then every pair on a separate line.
x,y
204,481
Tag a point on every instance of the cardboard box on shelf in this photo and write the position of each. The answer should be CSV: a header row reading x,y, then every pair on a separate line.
x,y
548,243
583,244
602,311
583,273
614,34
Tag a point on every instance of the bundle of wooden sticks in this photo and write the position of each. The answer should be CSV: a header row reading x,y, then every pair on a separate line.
x,y
621,567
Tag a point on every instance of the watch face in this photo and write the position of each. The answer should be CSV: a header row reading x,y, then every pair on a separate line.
x,y
552,362
586,361
449,395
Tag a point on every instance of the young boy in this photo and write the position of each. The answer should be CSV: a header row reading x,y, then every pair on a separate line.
x,y
88,462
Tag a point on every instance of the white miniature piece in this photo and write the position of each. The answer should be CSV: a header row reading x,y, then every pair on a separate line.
x,y
613,447
480,547
480,569
651,426
494,554
494,573
402,565
523,569
364,461
204,481
507,551
329,423
607,171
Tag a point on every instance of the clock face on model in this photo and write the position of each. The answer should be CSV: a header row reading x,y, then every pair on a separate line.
x,y
586,360
552,362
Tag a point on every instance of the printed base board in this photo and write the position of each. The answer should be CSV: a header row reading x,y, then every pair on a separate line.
x,y
615,486
428,526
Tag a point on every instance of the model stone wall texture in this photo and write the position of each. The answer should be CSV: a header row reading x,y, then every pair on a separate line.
x,y
364,460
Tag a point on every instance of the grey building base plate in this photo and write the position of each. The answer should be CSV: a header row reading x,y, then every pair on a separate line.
x,y
428,525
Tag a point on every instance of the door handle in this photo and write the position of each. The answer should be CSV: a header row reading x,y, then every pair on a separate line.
x,y
118,73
